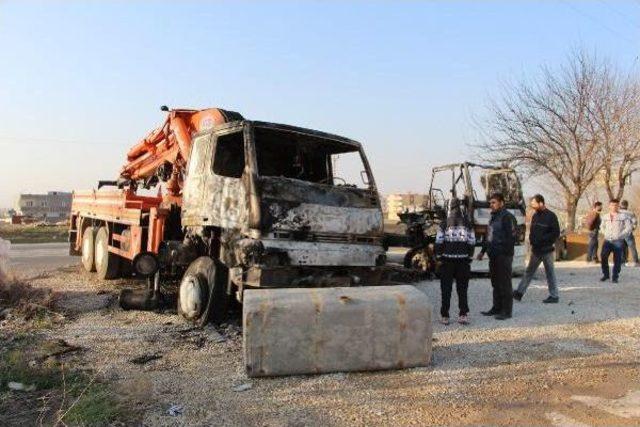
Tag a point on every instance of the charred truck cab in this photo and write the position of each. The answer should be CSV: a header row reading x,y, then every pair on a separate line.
x,y
268,204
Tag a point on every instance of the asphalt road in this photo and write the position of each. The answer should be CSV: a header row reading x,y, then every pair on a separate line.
x,y
29,259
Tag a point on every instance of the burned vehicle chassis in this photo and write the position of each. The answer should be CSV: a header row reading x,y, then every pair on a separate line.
x,y
421,226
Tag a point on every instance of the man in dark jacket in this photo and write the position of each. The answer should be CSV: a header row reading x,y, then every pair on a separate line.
x,y
498,244
592,222
543,233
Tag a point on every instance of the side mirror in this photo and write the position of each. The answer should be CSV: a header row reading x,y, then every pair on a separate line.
x,y
365,177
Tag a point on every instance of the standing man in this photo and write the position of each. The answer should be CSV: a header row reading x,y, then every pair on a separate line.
x,y
543,234
592,222
455,242
498,244
616,226
630,240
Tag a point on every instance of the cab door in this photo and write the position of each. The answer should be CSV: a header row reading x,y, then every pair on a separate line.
x,y
226,201
195,186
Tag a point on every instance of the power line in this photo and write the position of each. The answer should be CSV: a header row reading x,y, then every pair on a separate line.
x,y
599,22
6,140
617,12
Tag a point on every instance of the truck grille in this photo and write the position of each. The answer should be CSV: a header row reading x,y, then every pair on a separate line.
x,y
326,237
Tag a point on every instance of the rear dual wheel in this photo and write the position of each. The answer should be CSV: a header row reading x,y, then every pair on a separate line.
x,y
107,263
88,249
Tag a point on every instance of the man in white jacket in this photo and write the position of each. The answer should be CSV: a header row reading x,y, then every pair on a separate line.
x,y
616,227
630,241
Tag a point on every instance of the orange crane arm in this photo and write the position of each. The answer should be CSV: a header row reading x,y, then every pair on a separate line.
x,y
171,143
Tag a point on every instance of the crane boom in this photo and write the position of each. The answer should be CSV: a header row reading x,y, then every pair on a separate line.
x,y
166,149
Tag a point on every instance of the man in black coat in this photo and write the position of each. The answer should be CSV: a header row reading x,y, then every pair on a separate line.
x,y
498,244
543,234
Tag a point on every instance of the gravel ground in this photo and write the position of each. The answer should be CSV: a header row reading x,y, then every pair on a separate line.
x,y
569,364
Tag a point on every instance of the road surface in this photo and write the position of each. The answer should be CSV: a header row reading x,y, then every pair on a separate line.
x,y
30,259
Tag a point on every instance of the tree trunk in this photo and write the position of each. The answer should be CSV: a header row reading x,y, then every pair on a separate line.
x,y
572,208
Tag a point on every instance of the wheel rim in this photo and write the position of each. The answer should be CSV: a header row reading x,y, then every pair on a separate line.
x,y
192,296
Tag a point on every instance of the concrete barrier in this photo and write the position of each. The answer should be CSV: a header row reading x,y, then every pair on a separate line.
x,y
303,331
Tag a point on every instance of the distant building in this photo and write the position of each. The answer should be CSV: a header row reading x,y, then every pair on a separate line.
x,y
400,202
51,207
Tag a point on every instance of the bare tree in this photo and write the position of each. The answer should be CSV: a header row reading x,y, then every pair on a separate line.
x,y
614,123
542,126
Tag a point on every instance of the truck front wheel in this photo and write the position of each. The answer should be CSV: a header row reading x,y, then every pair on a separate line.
x,y
202,297
88,249
107,263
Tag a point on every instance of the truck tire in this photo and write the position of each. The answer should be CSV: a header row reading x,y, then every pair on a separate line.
x,y
202,297
88,249
107,263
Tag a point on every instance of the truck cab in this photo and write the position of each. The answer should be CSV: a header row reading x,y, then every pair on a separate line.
x,y
282,206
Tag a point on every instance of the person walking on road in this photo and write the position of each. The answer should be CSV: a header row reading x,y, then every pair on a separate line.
x,y
498,244
616,226
543,234
455,242
630,240
592,223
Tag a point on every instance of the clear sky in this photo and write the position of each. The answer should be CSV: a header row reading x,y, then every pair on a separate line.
x,y
80,82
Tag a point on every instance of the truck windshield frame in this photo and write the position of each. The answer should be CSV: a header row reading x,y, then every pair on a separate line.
x,y
307,157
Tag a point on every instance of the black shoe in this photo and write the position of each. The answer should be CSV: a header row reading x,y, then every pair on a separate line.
x,y
615,280
502,316
491,312
517,295
551,300
604,278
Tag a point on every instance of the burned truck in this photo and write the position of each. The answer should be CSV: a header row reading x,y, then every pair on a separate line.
x,y
472,185
246,204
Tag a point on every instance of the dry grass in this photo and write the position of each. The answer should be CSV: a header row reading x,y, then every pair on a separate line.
x,y
58,394
31,233
25,300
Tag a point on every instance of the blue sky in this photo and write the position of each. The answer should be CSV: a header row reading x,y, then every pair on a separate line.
x,y
80,82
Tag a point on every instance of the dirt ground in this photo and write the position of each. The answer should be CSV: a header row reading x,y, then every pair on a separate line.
x,y
575,363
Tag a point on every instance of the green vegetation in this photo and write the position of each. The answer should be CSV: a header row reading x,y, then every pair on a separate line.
x,y
61,396
34,233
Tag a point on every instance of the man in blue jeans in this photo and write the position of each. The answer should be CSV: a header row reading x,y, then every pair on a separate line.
x,y
616,227
543,233
592,223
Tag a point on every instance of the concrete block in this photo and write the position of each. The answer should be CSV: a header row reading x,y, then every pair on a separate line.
x,y
305,331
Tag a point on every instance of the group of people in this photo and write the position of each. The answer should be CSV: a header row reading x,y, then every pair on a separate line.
x,y
456,241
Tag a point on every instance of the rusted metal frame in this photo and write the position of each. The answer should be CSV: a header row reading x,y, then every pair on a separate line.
x,y
155,234
134,243
250,176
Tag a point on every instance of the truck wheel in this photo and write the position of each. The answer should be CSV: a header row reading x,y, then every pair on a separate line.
x,y
202,297
419,259
88,249
107,263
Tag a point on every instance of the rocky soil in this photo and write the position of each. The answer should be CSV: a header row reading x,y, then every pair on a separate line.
x,y
569,364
